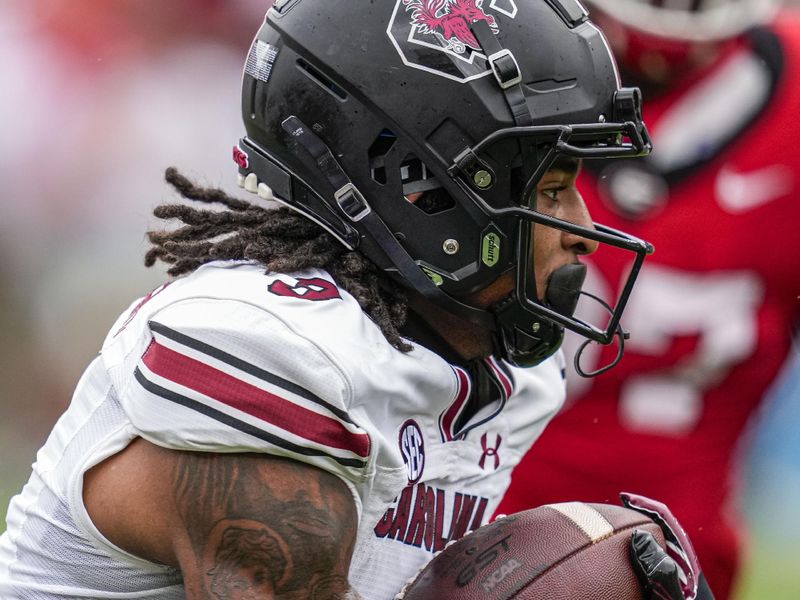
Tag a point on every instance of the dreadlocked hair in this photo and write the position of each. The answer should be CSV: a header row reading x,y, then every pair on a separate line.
x,y
280,239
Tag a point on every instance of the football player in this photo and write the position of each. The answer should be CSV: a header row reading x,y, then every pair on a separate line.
x,y
328,393
712,316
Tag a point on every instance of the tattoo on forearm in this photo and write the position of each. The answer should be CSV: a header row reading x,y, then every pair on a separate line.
x,y
248,558
266,527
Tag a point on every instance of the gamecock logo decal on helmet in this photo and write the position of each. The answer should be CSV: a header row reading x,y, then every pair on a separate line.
x,y
422,29
449,21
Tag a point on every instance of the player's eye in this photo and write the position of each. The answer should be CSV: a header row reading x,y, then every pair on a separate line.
x,y
552,194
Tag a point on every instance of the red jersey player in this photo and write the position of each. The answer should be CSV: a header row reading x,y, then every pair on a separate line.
x,y
713,310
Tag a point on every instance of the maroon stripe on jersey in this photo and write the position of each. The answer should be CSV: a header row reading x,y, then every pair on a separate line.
x,y
504,380
447,421
280,412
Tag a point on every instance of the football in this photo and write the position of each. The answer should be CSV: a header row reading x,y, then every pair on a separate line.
x,y
569,551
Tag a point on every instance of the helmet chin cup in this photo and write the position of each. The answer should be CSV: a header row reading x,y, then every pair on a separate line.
x,y
564,287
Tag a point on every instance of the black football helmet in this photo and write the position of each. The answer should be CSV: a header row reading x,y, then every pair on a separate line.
x,y
352,107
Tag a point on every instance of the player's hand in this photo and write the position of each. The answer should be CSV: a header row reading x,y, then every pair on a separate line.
x,y
666,574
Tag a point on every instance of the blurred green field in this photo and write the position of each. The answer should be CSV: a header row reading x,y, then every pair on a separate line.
x,y
773,572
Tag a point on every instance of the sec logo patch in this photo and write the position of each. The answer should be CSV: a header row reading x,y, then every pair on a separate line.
x,y
412,447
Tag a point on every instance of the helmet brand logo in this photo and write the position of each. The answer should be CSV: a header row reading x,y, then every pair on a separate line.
x,y
435,26
491,249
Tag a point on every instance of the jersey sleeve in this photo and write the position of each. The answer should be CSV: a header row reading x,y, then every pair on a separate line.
x,y
222,375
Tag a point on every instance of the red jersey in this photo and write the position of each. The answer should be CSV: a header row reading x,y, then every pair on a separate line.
x,y
712,313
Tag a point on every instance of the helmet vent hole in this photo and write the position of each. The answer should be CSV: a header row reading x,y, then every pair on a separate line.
x,y
377,155
548,86
321,80
379,175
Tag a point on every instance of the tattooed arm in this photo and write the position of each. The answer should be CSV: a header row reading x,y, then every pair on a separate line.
x,y
263,527
239,526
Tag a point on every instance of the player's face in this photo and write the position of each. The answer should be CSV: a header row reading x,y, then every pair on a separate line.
x,y
556,196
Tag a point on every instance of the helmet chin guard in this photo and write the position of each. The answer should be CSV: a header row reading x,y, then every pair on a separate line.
x,y
341,127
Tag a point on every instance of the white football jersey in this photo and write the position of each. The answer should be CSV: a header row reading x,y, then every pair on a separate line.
x,y
231,360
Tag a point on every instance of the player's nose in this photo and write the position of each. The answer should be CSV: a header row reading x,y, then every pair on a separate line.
x,y
579,215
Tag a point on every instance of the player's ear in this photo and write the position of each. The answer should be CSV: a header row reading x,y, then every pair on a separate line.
x,y
432,201
422,188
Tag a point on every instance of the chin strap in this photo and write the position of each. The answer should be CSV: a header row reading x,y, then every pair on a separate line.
x,y
621,335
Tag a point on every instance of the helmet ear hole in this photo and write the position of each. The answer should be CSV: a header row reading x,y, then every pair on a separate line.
x,y
422,189
434,202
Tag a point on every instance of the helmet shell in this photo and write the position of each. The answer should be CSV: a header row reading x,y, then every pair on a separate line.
x,y
381,89
354,109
